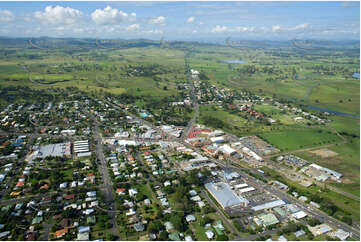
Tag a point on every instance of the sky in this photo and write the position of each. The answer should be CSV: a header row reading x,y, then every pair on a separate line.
x,y
204,21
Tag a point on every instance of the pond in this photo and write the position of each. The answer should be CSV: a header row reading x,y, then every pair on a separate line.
x,y
235,61
335,112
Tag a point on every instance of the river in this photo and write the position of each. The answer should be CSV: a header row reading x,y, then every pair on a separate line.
x,y
335,112
235,61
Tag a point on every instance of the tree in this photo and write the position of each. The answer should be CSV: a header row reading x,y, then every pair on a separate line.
x,y
176,220
163,236
155,226
222,237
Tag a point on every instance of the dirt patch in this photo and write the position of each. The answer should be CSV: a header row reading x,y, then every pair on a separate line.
x,y
347,181
325,153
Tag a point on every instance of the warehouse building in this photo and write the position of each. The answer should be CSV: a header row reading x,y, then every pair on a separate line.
x,y
225,196
269,205
53,150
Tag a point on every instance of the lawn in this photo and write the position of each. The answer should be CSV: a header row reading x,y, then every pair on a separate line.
x,y
298,139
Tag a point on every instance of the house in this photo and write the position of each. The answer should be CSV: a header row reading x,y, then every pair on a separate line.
x,y
282,238
88,211
195,198
131,212
192,193
190,218
139,227
63,185
91,194
68,197
303,198
84,229
168,226
299,233
37,220
133,192
188,238
152,236
120,191
201,204
209,234
60,233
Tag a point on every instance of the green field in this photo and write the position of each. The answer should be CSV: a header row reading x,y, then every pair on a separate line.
x,y
299,139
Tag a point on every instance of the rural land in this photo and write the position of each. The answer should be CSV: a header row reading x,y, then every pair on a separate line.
x,y
111,139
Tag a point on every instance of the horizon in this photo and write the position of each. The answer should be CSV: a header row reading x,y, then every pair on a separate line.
x,y
182,21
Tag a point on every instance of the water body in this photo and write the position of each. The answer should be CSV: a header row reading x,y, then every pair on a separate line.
x,y
334,112
356,75
235,61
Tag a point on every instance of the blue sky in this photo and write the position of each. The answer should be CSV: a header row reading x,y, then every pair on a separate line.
x,y
182,20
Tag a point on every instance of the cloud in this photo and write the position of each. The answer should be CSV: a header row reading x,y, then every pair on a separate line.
x,y
133,27
152,31
110,15
161,20
58,15
6,16
299,27
276,28
191,19
244,29
219,29
260,30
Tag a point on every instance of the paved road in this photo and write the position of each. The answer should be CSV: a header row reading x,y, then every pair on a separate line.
x,y
195,104
107,188
46,228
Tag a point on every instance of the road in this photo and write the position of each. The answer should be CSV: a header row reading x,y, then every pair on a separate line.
x,y
195,104
107,187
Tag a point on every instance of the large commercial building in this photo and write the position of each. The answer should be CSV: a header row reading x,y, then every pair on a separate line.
x,y
225,196
268,205
54,150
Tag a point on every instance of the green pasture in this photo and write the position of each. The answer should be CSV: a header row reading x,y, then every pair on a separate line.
x,y
299,139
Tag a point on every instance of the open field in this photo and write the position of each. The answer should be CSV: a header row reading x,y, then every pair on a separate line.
x,y
298,139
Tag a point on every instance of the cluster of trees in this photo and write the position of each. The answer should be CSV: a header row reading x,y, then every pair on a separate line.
x,y
213,121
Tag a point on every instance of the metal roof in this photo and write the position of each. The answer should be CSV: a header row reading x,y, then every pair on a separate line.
x,y
272,204
224,195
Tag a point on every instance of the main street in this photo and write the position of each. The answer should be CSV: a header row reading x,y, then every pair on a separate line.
x,y
107,187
